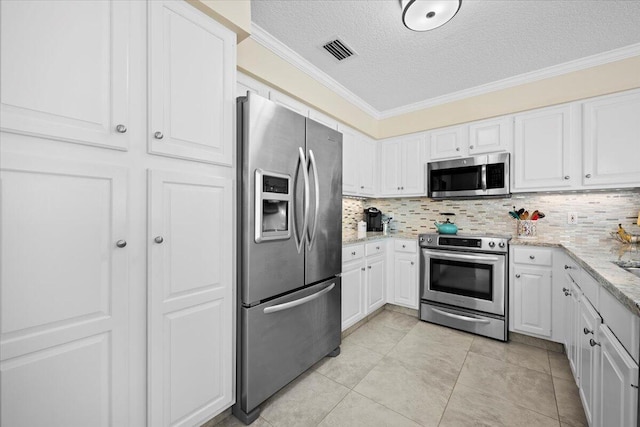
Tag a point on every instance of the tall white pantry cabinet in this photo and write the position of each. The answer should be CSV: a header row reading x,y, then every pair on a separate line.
x,y
117,214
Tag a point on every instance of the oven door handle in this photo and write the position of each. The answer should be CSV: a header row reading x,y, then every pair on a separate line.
x,y
457,256
459,317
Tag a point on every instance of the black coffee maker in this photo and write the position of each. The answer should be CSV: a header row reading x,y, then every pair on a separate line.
x,y
373,218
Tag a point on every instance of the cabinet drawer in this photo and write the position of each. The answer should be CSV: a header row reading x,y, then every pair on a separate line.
x,y
349,253
531,256
590,288
374,248
623,323
406,246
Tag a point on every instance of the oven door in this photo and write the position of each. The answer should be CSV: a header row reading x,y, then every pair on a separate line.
x,y
464,279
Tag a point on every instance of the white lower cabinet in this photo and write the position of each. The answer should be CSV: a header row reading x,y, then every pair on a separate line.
x,y
405,289
587,330
363,281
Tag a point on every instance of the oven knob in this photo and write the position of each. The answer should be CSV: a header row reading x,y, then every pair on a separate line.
x,y
429,240
492,244
501,244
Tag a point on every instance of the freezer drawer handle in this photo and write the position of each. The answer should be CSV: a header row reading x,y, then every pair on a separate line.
x,y
457,316
291,304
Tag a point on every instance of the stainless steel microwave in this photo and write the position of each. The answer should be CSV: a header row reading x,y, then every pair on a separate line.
x,y
471,177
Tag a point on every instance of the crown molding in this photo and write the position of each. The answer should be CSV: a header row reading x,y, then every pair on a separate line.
x,y
264,38
530,77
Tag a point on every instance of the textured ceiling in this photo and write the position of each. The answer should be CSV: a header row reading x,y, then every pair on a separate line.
x,y
487,41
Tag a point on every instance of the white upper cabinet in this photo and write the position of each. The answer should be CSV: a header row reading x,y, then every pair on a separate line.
x,y
246,84
191,84
611,149
358,163
546,149
447,143
70,85
488,136
402,166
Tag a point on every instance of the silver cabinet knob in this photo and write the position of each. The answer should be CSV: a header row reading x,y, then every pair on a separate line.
x,y
566,293
532,257
353,253
404,246
567,177
121,128
593,342
588,175
362,186
158,135
411,262
369,267
378,248
587,331
121,243
457,148
567,267
398,188
517,276
471,147
362,268
565,290
158,239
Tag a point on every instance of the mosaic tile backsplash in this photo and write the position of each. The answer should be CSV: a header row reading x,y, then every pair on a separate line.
x,y
598,213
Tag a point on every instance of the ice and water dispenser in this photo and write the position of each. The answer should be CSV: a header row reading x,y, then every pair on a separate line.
x,y
273,206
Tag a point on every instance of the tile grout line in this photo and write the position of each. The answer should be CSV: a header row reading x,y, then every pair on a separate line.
x,y
555,394
455,383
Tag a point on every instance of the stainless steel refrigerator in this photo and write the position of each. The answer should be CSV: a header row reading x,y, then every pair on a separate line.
x,y
290,248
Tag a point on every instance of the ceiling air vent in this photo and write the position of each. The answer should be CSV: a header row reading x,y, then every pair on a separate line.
x,y
339,49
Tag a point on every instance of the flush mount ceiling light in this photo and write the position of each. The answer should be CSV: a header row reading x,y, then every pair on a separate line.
x,y
425,15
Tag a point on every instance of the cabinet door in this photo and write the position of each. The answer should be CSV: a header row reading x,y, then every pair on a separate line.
x,y
351,162
190,298
246,84
64,286
611,141
588,357
353,309
447,143
375,283
64,70
368,175
532,300
545,148
406,280
490,135
413,171
390,174
191,84
569,328
617,402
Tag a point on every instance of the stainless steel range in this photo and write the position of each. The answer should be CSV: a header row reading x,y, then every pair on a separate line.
x,y
463,282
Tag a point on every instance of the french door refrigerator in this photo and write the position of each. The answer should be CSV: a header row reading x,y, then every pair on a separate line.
x,y
289,250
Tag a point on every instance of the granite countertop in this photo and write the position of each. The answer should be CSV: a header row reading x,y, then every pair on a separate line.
x,y
597,260
352,237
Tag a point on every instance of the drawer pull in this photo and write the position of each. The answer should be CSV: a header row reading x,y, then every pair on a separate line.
x,y
404,246
565,290
566,294
593,343
362,269
567,267
369,267
532,257
353,253
378,247
517,276
587,331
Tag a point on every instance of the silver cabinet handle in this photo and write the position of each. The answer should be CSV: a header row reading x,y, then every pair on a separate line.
x,y
312,163
298,302
457,316
353,253
567,293
369,267
158,135
121,128
517,276
398,188
378,247
362,187
402,188
457,148
532,257
411,262
565,290
567,267
587,331
404,246
593,343
121,243
471,147
158,239
567,177
363,269
588,175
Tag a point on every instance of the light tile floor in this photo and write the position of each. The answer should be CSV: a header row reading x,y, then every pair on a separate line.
x,y
398,371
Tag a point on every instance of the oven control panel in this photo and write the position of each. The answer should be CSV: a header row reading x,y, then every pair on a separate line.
x,y
467,243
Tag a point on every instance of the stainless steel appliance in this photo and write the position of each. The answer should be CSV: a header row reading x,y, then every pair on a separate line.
x,y
463,283
471,177
373,218
289,248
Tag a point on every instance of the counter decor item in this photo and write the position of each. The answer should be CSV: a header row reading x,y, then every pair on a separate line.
x,y
362,229
526,224
623,236
446,227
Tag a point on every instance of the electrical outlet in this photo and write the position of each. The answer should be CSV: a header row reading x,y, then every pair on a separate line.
x,y
390,215
572,218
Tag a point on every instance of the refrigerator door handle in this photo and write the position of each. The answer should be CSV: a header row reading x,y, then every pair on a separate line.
x,y
302,162
295,303
312,161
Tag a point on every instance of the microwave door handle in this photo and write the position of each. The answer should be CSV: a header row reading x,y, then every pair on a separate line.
x,y
314,165
483,177
459,317
302,162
